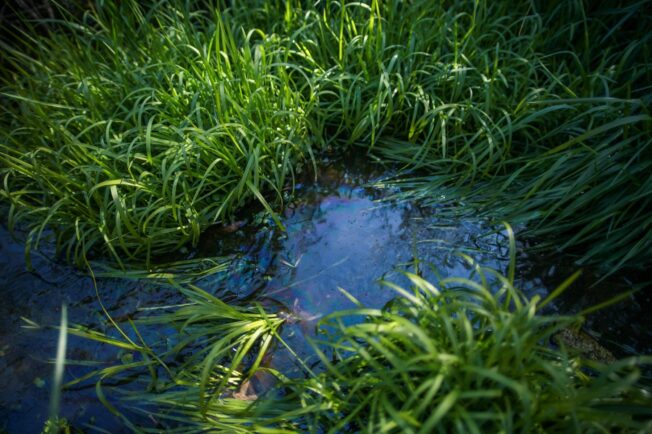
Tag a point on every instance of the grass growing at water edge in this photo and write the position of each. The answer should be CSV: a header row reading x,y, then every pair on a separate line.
x,y
212,349
133,130
460,355
131,127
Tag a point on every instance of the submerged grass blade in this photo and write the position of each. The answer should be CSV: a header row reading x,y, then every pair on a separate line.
x,y
59,364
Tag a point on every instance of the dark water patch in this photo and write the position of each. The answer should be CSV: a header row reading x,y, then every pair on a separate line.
x,y
625,327
28,347
340,233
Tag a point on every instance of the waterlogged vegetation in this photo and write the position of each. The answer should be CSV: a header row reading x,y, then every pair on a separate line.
x,y
460,355
129,129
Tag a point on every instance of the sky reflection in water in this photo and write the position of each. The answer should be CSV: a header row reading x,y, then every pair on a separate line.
x,y
340,234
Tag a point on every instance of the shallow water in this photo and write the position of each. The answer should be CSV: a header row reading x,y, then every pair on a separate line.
x,y
339,234
25,351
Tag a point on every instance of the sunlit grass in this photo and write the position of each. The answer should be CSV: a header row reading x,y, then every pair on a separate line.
x,y
128,131
133,126
127,128
469,357
535,112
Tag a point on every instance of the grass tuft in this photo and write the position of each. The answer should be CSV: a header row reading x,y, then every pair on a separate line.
x,y
457,355
130,127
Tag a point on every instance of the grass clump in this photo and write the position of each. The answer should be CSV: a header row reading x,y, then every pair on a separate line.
x,y
132,126
467,356
208,349
459,356
131,129
535,112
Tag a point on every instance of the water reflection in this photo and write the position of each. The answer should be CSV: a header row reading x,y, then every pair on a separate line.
x,y
340,234
26,349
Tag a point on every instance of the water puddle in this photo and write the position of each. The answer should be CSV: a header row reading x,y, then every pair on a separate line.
x,y
339,234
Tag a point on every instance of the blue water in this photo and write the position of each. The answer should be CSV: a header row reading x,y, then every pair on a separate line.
x,y
340,233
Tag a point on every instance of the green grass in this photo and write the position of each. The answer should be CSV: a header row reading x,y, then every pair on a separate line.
x,y
208,349
510,107
131,127
127,128
129,132
461,355
469,357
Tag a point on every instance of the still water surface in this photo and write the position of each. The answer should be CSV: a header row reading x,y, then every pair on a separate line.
x,y
339,234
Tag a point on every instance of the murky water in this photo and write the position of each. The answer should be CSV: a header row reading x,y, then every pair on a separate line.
x,y
338,235
26,350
